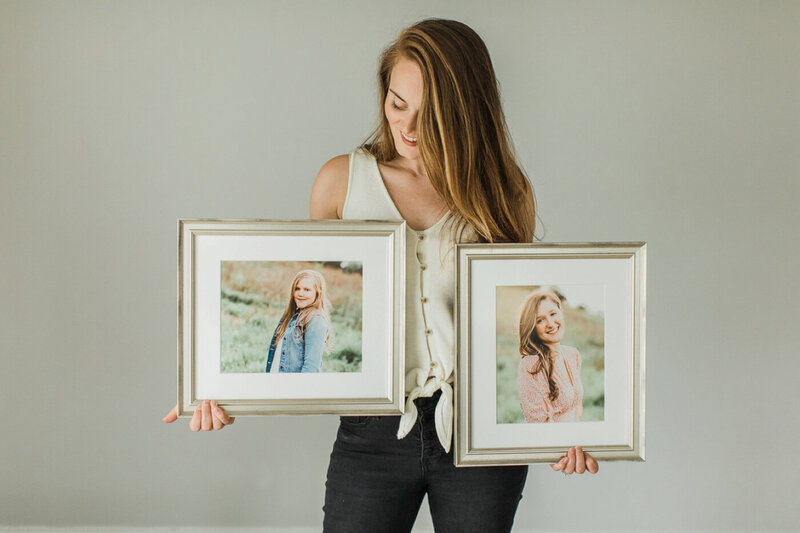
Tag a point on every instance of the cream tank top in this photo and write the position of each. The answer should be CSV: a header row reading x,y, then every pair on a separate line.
x,y
430,291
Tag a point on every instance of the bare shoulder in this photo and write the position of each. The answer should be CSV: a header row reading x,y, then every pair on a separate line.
x,y
330,189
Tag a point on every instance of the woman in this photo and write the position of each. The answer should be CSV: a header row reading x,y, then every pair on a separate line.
x,y
304,330
442,160
549,373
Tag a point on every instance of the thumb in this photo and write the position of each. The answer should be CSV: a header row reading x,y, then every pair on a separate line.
x,y
172,416
559,465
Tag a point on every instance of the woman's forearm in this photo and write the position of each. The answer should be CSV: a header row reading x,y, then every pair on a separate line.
x,y
315,336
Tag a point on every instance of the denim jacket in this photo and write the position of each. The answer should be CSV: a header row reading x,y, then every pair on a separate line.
x,y
301,352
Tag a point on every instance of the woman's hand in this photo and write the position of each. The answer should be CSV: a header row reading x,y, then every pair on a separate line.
x,y
576,461
207,416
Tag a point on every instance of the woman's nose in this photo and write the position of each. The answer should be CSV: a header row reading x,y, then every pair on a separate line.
x,y
410,125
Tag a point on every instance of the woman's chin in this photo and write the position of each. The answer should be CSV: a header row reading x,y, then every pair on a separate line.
x,y
408,152
554,341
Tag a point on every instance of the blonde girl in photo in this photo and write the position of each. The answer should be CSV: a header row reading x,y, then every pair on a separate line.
x,y
304,331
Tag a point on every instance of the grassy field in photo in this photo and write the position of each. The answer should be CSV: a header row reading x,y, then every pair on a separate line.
x,y
254,295
583,330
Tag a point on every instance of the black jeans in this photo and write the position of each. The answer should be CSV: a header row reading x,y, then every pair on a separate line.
x,y
376,483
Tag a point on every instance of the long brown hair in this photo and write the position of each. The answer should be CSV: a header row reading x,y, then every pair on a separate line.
x,y
462,134
529,341
318,307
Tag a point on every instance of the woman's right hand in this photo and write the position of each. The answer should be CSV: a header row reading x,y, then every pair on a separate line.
x,y
207,416
576,461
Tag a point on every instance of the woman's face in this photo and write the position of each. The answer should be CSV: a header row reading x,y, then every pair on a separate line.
x,y
304,292
402,104
549,325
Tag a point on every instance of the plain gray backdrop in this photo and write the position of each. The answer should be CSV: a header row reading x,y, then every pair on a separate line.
x,y
672,122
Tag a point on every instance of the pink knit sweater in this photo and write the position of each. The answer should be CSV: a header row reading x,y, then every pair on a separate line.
x,y
534,392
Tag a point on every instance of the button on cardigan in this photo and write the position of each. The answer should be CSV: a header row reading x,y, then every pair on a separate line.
x,y
430,292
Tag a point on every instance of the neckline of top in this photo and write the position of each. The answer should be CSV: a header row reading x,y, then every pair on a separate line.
x,y
394,206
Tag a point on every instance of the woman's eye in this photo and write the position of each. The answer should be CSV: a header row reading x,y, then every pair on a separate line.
x,y
394,105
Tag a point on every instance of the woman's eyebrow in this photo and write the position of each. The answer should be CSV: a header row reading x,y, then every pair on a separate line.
x,y
397,95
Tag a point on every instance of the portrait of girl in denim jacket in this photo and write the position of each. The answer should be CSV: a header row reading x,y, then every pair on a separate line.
x,y
304,331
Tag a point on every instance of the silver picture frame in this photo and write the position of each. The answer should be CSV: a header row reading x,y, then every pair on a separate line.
x,y
376,247
491,280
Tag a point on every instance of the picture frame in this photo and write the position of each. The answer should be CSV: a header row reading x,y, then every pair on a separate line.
x,y
291,317
532,318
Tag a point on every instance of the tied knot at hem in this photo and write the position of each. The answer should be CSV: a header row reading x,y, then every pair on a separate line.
x,y
443,415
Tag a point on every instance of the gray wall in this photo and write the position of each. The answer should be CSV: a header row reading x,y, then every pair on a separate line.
x,y
677,123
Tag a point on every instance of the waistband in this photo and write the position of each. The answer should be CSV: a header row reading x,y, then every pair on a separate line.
x,y
428,405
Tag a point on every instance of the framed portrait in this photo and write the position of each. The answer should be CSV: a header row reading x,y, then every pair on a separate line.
x,y
551,352
291,317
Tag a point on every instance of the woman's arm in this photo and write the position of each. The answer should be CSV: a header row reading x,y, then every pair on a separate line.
x,y
271,351
533,393
330,189
314,340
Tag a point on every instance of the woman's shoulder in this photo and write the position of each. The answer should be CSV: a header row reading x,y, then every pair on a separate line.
x,y
318,319
571,353
337,169
330,188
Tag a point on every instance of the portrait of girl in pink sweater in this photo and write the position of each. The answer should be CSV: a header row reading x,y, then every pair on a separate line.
x,y
549,374
550,353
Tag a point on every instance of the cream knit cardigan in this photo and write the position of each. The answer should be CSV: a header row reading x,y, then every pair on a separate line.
x,y
430,291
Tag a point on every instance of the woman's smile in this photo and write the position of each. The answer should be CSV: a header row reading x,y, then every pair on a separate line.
x,y
410,141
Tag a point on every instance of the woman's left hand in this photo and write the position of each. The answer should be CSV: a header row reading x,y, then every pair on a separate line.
x,y
576,461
